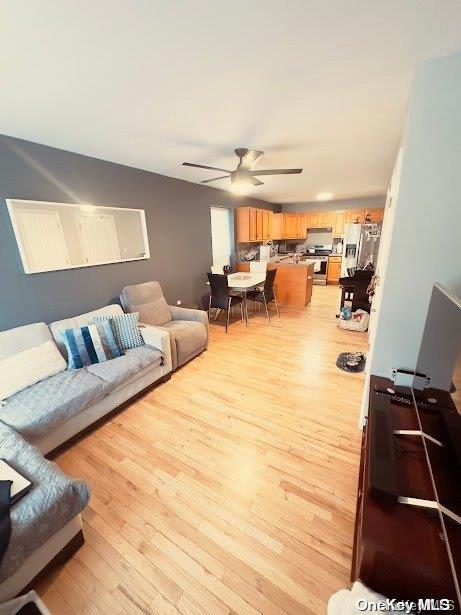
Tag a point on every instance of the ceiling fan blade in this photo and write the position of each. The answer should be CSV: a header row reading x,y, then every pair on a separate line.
x,y
202,166
255,181
277,172
206,181
250,158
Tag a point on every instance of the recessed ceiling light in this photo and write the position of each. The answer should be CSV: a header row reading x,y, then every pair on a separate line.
x,y
324,196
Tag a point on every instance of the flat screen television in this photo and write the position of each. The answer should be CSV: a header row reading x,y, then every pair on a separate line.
x,y
440,351
440,360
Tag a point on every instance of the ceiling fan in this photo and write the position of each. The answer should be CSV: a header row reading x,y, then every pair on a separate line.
x,y
242,177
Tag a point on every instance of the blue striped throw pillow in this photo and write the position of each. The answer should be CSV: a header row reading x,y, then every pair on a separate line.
x,y
90,344
125,328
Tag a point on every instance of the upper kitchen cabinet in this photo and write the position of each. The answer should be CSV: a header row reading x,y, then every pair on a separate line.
x,y
320,219
355,215
291,226
247,224
339,223
242,224
312,219
302,226
259,224
278,226
253,224
326,219
267,224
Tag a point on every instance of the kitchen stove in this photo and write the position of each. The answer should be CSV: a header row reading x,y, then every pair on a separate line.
x,y
319,256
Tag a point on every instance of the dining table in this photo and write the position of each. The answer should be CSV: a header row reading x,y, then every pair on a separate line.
x,y
242,282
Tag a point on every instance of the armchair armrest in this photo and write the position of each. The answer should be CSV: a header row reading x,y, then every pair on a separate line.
x,y
180,313
159,338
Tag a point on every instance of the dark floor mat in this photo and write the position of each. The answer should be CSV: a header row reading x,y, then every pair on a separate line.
x,y
351,361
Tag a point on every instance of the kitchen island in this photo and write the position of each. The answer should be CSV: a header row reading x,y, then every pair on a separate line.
x,y
293,282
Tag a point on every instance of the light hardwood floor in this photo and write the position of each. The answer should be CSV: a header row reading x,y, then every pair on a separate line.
x,y
229,489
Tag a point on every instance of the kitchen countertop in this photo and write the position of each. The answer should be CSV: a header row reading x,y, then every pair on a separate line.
x,y
285,262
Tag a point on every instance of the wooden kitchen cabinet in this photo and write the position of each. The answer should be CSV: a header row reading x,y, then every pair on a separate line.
x,y
302,226
339,223
259,225
312,219
291,226
333,269
253,224
326,219
293,283
266,219
242,224
278,223
355,215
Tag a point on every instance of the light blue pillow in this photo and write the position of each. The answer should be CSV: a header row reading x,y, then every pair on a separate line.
x,y
94,343
125,328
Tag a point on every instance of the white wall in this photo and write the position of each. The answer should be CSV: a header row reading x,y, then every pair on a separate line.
x,y
426,238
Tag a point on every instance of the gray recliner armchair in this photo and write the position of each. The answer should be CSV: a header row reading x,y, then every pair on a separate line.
x,y
188,329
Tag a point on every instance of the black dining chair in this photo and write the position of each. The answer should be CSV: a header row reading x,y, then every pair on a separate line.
x,y
220,297
266,294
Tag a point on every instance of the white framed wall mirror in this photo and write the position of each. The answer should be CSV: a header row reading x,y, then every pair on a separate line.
x,y
54,236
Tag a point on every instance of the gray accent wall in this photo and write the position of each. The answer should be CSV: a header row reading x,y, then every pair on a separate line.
x,y
372,202
178,225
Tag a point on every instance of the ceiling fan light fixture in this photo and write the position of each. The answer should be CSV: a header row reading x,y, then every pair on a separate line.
x,y
324,196
240,182
243,177
240,186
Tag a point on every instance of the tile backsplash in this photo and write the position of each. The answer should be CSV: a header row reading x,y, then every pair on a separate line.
x,y
319,237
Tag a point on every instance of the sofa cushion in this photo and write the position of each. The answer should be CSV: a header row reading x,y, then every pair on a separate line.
x,y
59,326
188,336
90,344
17,340
28,367
115,372
45,405
148,300
53,500
126,329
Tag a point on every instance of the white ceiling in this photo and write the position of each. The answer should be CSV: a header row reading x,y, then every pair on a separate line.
x,y
316,84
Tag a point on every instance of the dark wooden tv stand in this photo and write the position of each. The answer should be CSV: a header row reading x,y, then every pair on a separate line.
x,y
400,551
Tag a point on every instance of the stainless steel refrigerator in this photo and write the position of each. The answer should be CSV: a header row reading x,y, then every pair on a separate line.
x,y
361,246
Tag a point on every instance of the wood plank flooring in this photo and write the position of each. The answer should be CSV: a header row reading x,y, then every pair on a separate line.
x,y
229,489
